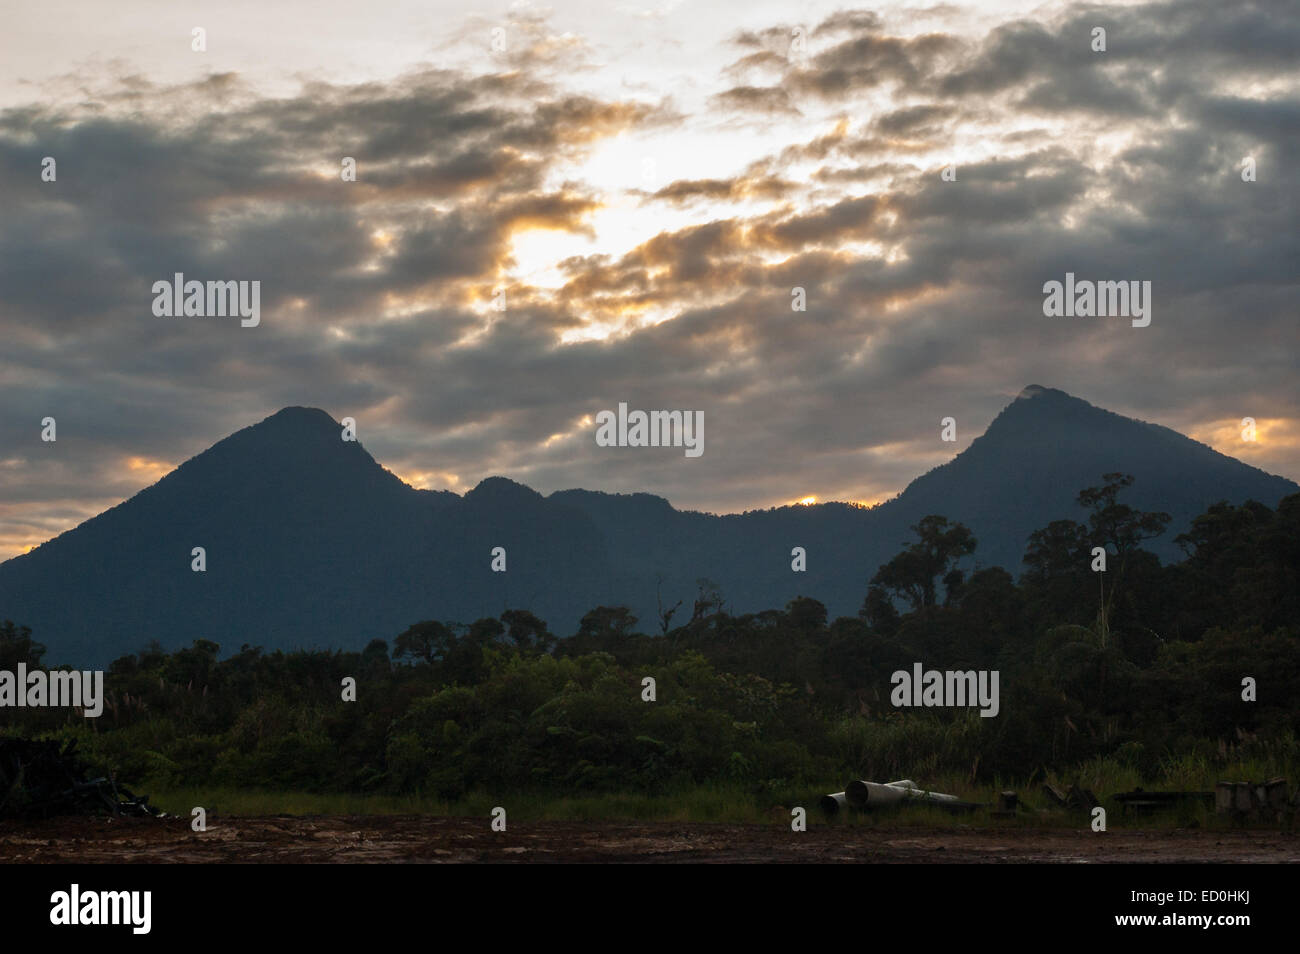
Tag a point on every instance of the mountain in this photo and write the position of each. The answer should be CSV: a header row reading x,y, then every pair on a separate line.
x,y
309,542
1044,447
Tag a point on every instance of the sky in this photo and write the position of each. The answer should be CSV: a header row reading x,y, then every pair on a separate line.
x,y
559,208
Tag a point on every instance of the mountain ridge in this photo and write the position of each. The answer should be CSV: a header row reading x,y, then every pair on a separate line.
x,y
311,543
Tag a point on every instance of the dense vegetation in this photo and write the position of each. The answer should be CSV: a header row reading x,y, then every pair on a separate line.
x,y
1142,664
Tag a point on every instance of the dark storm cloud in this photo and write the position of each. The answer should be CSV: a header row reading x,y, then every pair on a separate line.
x,y
232,186
961,297
924,297
870,60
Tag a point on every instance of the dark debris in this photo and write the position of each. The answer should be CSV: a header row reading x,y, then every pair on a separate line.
x,y
41,779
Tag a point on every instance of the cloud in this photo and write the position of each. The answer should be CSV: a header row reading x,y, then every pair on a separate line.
x,y
819,172
761,99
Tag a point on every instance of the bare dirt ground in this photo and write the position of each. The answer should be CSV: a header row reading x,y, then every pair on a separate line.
x,y
423,839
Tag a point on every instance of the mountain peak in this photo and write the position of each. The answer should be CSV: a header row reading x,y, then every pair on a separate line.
x,y
1037,407
296,447
499,490
1037,390
300,418
297,437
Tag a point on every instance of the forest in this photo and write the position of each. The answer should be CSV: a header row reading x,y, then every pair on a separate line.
x,y
1170,672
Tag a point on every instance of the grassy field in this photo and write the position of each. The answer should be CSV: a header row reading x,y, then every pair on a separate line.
x,y
736,805
703,804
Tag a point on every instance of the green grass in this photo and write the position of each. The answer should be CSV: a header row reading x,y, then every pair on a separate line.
x,y
701,804
229,801
720,804
737,803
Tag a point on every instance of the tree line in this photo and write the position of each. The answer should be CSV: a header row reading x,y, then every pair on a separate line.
x,y
1141,662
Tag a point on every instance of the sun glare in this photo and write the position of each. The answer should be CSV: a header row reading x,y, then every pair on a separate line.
x,y
154,469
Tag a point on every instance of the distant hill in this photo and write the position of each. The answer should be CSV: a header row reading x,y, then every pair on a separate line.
x,y
311,543
1044,447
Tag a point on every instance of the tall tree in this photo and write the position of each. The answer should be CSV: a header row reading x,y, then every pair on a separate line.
x,y
17,646
913,574
1115,524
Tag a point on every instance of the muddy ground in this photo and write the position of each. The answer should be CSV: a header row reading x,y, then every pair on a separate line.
x,y
423,839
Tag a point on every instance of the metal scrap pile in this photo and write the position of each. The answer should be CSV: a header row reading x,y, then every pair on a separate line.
x,y
39,779
1257,801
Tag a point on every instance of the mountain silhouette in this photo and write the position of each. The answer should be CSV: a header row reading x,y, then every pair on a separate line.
x,y
309,542
1025,470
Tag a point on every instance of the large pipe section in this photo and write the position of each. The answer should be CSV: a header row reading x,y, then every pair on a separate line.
x,y
834,804
862,794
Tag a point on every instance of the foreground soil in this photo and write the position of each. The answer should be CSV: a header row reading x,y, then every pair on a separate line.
x,y
424,839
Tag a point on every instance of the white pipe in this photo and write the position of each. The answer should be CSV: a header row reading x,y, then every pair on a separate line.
x,y
864,794
834,804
